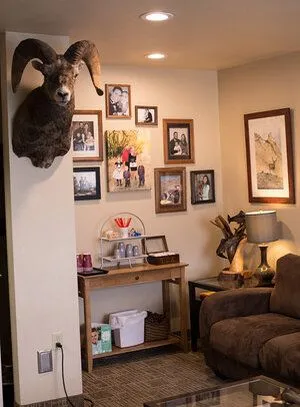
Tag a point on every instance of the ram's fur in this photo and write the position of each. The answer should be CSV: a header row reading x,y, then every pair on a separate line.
x,y
41,126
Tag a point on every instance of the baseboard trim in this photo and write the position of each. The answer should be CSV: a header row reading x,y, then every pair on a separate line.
x,y
62,402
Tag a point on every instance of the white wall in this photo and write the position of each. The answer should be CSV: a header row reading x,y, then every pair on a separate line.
x,y
184,94
263,85
41,244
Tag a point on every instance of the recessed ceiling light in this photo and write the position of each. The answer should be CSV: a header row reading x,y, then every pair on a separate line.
x,y
157,16
155,55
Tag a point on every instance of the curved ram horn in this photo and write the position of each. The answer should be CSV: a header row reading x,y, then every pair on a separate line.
x,y
86,51
25,51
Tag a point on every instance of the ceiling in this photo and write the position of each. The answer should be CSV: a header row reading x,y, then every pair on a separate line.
x,y
205,34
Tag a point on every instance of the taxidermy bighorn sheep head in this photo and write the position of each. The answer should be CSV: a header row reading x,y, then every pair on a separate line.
x,y
41,126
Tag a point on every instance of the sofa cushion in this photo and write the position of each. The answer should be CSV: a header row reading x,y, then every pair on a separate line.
x,y
281,356
242,338
285,295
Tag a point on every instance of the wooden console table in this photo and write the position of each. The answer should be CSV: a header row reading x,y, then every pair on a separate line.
x,y
145,273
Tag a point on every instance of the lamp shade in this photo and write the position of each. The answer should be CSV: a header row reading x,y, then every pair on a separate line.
x,y
261,226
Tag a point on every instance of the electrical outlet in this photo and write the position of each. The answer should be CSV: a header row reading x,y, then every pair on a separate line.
x,y
56,337
45,363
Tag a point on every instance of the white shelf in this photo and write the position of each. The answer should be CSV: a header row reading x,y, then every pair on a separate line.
x,y
118,239
111,258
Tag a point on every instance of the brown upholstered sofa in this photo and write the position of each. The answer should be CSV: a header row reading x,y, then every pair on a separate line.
x,y
255,330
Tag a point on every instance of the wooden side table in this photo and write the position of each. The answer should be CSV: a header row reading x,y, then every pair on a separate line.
x,y
168,274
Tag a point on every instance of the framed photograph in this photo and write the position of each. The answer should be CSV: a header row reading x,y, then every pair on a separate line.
x,y
202,186
86,183
170,189
87,135
118,105
146,115
178,141
270,156
128,160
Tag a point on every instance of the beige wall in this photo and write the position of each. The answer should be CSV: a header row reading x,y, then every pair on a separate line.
x,y
178,94
41,251
263,85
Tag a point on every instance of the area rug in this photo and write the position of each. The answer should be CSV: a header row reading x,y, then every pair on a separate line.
x,y
132,379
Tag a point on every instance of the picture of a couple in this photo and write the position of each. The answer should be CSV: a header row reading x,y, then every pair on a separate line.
x,y
118,101
178,144
178,141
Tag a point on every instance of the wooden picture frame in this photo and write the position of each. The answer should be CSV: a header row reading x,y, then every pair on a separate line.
x,y
87,135
178,137
118,101
146,116
202,187
170,189
270,156
86,183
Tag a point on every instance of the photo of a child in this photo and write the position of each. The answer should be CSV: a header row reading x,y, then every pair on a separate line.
x,y
96,342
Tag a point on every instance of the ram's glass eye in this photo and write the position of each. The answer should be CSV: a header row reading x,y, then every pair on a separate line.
x,y
75,75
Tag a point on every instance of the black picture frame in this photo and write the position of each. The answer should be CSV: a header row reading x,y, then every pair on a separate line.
x,y
199,193
86,183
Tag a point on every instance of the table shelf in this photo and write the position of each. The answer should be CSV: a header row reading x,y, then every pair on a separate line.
x,y
143,346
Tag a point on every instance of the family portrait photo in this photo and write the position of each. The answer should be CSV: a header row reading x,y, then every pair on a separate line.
x,y
170,189
178,141
146,115
87,138
86,183
118,104
128,160
202,186
270,156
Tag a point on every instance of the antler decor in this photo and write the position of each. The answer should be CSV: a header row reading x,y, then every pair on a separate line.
x,y
232,245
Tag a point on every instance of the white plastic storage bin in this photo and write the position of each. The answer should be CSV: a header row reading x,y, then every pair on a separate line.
x,y
128,327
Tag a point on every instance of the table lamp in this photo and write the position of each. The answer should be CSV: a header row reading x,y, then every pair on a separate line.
x,y
261,227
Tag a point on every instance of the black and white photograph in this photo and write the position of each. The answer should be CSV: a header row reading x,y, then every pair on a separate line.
x,y
86,183
202,187
118,104
178,141
146,115
87,136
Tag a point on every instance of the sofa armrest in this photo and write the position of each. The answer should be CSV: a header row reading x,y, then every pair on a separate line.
x,y
232,303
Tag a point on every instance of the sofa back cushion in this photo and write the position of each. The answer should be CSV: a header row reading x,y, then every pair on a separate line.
x,y
285,295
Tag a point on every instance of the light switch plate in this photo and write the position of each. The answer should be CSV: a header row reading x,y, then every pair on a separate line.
x,y
45,363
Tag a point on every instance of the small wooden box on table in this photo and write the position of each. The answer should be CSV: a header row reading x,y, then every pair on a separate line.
x,y
144,273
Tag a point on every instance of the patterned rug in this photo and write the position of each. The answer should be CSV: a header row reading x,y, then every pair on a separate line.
x,y
132,379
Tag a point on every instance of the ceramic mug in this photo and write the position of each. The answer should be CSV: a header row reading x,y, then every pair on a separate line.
x,y
128,251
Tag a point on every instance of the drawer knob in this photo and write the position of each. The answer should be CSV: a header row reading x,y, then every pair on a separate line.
x,y
137,277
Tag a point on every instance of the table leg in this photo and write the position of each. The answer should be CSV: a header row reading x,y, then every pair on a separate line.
x,y
183,309
88,323
194,316
166,299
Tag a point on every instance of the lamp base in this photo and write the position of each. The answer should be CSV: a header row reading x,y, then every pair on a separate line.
x,y
264,277
264,273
